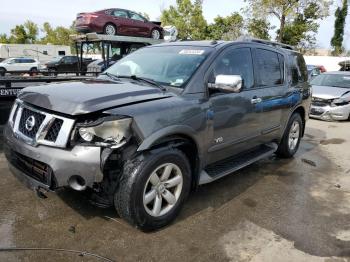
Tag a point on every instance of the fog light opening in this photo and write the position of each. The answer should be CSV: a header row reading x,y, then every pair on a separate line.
x,y
77,183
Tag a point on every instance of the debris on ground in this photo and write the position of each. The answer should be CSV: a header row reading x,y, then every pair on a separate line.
x,y
309,162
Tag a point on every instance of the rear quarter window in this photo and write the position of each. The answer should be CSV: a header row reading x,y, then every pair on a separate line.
x,y
298,68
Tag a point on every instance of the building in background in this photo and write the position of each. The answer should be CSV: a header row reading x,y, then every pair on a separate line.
x,y
42,53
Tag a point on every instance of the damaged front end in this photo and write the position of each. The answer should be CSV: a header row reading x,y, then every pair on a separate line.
x,y
113,134
47,151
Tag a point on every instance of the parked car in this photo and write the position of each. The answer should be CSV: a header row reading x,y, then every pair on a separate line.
x,y
118,22
160,122
331,96
313,71
21,64
322,68
344,65
65,64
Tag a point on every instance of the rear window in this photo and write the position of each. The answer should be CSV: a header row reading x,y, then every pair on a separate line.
x,y
270,68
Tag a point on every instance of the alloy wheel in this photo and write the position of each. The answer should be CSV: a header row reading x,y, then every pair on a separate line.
x,y
155,34
162,190
110,30
294,135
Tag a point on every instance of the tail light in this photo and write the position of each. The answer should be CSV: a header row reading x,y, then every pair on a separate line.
x,y
86,17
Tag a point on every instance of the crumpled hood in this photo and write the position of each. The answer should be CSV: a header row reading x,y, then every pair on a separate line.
x,y
76,98
329,92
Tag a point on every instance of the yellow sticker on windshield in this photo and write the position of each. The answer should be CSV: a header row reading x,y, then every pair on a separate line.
x,y
191,52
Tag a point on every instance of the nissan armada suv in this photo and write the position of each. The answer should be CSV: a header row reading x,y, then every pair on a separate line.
x,y
160,122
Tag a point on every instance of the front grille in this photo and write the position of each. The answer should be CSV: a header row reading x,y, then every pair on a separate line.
x,y
33,168
38,120
54,130
37,127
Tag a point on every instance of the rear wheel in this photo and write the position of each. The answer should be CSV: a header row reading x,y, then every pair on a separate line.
x,y
110,29
33,71
153,189
291,138
155,34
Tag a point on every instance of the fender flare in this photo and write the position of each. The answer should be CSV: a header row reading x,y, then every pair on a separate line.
x,y
168,131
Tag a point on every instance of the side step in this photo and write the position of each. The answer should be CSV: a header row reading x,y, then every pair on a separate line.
x,y
229,165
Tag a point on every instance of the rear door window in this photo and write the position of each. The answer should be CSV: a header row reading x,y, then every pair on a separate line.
x,y
120,13
269,68
136,16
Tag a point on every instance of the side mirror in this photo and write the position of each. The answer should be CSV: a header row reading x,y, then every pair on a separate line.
x,y
228,83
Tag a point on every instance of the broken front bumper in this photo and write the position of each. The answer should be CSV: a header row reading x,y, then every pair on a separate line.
x,y
330,113
48,167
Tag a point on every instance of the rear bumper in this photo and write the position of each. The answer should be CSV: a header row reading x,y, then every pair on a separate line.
x,y
59,164
330,113
88,28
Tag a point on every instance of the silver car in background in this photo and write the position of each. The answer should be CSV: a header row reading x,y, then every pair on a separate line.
x,y
331,96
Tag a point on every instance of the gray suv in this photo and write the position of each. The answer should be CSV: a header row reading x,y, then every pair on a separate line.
x,y
160,122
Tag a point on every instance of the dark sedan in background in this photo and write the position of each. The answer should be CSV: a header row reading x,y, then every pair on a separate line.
x,y
118,22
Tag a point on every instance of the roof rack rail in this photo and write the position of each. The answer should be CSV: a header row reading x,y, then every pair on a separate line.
x,y
266,42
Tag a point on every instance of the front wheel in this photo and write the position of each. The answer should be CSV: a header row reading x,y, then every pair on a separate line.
x,y
153,189
291,138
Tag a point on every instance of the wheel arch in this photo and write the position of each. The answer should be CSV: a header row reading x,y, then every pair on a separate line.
x,y
301,111
182,138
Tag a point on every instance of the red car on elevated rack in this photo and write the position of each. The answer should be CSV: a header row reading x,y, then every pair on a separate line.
x,y
118,22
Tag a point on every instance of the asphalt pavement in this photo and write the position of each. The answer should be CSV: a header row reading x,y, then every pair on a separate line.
x,y
274,210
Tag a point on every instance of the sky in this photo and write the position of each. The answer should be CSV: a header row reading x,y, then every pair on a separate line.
x,y
63,12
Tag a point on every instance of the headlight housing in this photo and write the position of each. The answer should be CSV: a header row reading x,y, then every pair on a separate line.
x,y
107,132
341,101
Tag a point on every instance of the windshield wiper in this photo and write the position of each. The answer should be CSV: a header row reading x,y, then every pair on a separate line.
x,y
111,76
146,80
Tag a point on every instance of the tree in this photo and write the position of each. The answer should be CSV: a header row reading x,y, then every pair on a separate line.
x,y
259,28
286,11
18,35
57,36
4,39
24,34
32,31
339,24
188,19
226,28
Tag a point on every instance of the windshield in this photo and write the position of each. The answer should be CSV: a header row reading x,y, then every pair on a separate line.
x,y
336,80
166,65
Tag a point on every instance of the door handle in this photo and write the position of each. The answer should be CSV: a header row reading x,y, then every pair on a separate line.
x,y
256,100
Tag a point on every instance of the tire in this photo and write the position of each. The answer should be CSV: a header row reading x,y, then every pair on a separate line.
x,y
33,71
295,126
2,71
136,183
155,34
52,72
110,29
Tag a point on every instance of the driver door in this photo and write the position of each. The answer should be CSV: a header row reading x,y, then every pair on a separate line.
x,y
235,127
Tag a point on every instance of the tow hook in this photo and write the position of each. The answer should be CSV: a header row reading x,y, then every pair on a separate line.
x,y
40,192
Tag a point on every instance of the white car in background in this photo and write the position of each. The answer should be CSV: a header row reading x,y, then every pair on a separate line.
x,y
20,64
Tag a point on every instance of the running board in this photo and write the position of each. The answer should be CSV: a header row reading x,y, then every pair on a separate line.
x,y
229,165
